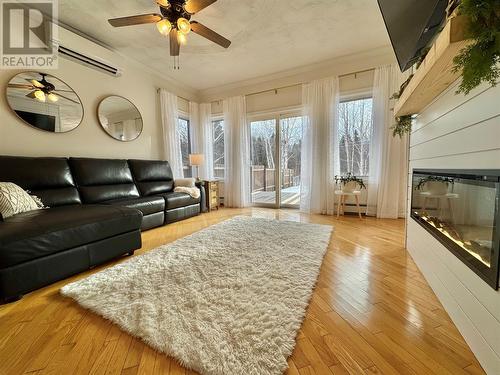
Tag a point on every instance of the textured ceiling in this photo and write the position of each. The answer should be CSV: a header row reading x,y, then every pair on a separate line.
x,y
268,36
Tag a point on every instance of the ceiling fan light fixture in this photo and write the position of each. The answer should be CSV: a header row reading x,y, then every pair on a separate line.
x,y
163,3
183,26
40,95
52,97
164,26
36,83
181,37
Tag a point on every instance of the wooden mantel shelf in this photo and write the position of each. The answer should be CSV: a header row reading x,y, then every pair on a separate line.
x,y
435,73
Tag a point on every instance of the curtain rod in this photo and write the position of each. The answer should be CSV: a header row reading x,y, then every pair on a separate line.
x,y
301,83
180,97
283,87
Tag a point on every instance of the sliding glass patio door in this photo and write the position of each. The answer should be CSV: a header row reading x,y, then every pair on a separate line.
x,y
263,149
290,143
275,155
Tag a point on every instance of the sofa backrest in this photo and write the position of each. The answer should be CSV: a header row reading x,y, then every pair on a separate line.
x,y
152,176
49,179
100,180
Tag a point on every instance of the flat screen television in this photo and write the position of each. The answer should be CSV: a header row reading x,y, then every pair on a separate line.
x,y
38,120
412,25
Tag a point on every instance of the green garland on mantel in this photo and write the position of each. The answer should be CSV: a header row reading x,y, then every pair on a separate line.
x,y
479,62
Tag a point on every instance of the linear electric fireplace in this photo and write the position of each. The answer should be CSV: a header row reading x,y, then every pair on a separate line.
x,y
460,208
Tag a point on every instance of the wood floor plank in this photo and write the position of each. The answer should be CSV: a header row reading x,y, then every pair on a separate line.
x,y
292,369
372,312
313,356
147,364
117,360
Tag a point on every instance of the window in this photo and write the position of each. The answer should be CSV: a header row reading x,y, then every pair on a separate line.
x,y
218,137
354,135
185,140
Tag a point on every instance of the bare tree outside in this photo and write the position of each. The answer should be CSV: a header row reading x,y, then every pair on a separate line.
x,y
184,137
291,143
218,137
263,143
354,134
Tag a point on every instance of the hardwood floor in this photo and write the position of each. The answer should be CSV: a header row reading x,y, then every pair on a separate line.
x,y
372,312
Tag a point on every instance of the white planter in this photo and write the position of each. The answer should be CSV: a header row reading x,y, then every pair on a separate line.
x,y
349,187
436,187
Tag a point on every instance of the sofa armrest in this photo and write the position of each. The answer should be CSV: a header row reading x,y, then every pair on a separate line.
x,y
203,199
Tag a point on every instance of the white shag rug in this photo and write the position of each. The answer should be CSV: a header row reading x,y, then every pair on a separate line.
x,y
228,299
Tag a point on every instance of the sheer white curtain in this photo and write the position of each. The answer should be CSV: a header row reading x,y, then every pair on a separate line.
x,y
169,113
387,185
200,120
204,143
194,127
237,153
320,99
194,133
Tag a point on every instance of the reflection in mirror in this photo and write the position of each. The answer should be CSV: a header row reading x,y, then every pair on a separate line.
x,y
44,102
120,118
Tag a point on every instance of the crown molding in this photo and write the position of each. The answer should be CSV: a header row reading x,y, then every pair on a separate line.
x,y
333,67
338,66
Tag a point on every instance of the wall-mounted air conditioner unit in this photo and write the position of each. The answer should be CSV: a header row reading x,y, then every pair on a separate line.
x,y
91,62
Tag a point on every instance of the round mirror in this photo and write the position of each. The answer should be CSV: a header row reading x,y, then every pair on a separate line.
x,y
120,118
44,102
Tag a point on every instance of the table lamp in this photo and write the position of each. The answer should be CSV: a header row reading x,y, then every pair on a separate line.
x,y
196,160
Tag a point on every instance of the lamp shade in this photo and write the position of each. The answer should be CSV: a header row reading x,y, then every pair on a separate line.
x,y
196,159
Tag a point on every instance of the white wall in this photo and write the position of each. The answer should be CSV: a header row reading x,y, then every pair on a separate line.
x,y
463,133
136,84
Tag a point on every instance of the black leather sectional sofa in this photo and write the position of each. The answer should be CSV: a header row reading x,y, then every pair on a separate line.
x,y
97,209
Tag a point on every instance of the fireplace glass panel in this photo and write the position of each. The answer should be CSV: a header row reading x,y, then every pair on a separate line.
x,y
462,212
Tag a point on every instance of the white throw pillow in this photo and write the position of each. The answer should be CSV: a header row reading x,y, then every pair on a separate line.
x,y
185,182
14,200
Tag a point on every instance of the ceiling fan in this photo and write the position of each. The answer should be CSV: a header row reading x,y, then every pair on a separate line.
x,y
174,21
42,90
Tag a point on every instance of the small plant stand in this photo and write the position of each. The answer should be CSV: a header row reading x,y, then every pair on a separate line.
x,y
341,200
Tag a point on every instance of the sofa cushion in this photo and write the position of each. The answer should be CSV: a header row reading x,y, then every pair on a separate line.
x,y
14,200
152,176
102,180
176,200
35,234
49,179
147,205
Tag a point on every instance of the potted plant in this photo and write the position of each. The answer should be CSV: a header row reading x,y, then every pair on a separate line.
x,y
349,182
435,185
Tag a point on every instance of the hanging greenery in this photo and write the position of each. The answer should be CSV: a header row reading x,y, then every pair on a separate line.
x,y
349,177
479,61
402,126
424,180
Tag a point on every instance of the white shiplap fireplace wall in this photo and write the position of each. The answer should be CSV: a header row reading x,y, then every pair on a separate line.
x,y
459,132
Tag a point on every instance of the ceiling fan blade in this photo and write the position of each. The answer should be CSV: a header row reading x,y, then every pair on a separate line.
x,y
194,6
135,20
65,97
20,86
174,43
205,32
35,83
